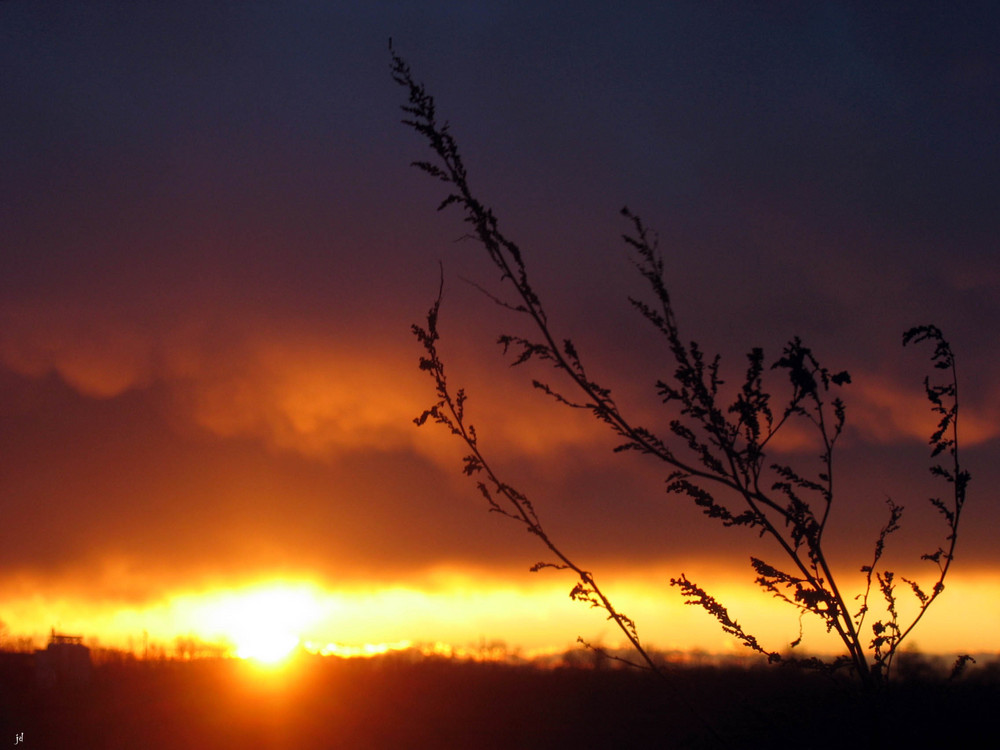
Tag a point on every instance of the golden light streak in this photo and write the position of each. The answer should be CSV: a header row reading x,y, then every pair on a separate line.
x,y
467,614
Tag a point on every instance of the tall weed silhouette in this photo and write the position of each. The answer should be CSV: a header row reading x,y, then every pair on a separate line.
x,y
716,453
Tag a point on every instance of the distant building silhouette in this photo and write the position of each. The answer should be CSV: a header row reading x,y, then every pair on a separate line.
x,y
65,662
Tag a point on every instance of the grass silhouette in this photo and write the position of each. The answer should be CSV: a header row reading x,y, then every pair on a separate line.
x,y
717,452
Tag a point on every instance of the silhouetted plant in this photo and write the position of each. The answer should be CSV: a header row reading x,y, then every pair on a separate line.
x,y
717,451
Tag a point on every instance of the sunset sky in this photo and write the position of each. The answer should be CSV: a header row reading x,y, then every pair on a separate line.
x,y
213,247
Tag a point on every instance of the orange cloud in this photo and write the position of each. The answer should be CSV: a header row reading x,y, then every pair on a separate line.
x,y
287,383
99,355
311,397
886,411
297,386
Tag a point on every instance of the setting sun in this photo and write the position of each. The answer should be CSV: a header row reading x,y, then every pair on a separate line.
x,y
264,623
267,646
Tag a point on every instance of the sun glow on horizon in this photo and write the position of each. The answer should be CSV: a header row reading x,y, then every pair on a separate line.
x,y
267,621
267,647
264,623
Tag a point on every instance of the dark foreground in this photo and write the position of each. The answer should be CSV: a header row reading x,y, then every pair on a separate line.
x,y
331,703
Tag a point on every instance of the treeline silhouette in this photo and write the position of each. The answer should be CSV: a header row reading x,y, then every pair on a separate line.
x,y
400,700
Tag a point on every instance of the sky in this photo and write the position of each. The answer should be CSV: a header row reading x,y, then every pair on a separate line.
x,y
214,247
